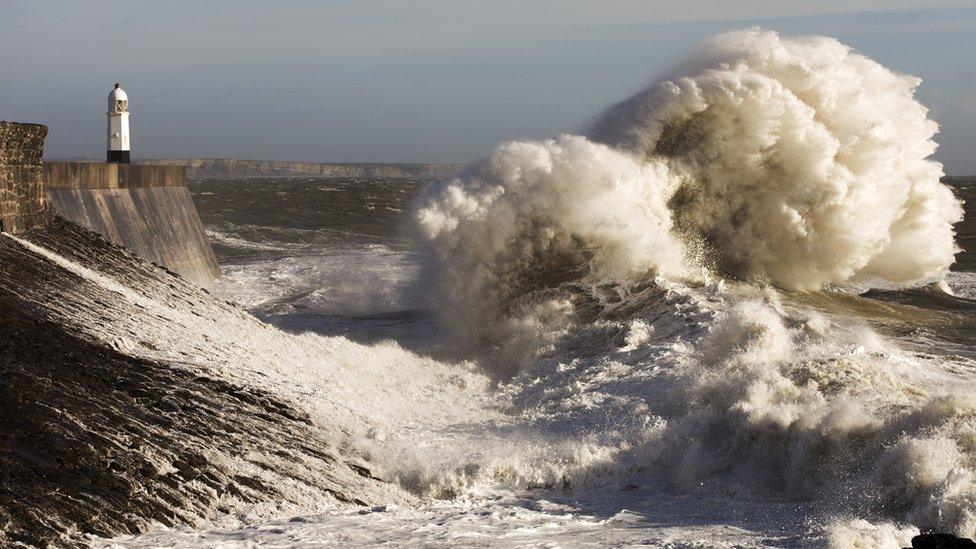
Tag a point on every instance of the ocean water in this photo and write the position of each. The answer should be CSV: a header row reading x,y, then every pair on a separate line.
x,y
739,314
333,256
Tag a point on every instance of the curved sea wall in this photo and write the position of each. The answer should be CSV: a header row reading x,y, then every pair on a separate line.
x,y
146,209
116,417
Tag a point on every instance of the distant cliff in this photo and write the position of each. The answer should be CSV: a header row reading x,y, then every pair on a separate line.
x,y
229,167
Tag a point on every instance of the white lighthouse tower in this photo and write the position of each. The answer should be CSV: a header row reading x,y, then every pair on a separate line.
x,y
118,126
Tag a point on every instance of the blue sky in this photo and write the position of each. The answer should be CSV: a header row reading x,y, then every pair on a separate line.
x,y
425,80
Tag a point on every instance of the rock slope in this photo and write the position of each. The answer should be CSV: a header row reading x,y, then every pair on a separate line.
x,y
121,405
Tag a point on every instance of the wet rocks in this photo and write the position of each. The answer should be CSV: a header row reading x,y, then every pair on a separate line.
x,y
941,541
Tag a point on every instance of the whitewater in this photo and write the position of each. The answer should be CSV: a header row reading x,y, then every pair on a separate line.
x,y
701,324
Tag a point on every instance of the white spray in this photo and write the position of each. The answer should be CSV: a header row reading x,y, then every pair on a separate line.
x,y
801,161
793,161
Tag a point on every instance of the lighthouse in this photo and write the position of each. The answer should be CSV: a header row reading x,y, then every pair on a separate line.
x,y
118,126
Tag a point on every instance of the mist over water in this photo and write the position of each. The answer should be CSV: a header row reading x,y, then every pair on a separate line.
x,y
661,319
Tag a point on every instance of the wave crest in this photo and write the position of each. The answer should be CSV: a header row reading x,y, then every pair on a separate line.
x,y
800,161
535,214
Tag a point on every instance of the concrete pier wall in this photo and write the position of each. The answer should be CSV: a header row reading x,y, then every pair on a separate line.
x,y
22,201
146,209
100,175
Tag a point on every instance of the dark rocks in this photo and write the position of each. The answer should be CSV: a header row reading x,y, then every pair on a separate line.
x,y
941,541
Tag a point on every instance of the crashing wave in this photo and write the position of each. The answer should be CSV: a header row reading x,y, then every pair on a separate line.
x,y
800,161
791,161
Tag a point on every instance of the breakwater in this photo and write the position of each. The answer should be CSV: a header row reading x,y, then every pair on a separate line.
x,y
126,401
146,209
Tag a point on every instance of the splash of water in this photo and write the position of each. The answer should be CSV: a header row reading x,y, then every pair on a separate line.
x,y
762,158
801,161
533,215
792,160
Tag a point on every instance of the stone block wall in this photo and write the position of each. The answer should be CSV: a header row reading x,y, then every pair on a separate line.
x,y
23,204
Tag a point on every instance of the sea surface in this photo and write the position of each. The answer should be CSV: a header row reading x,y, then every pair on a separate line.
x,y
615,434
333,256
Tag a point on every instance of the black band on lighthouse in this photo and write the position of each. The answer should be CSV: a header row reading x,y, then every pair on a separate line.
x,y
118,157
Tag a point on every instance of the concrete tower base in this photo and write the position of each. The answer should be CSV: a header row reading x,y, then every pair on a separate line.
x,y
118,157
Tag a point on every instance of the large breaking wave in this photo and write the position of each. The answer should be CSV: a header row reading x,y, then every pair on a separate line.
x,y
639,285
799,160
792,160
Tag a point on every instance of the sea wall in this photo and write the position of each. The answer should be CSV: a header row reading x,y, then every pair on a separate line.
x,y
22,201
101,175
125,403
146,209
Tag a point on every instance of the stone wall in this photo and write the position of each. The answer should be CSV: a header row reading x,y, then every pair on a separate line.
x,y
22,200
146,209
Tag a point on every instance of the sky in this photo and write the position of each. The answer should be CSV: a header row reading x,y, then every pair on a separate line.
x,y
416,80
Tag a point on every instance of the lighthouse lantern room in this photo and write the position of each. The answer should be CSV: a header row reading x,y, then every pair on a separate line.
x,y
118,126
